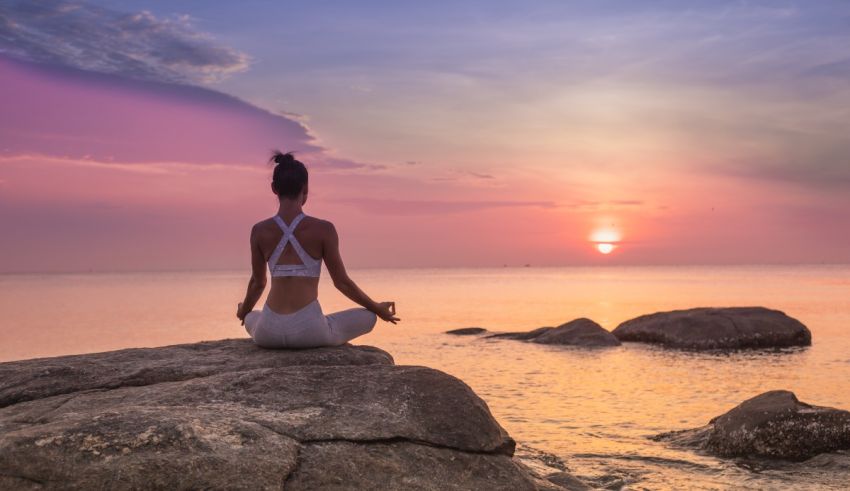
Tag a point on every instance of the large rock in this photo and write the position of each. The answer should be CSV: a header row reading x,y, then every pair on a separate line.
x,y
772,425
716,328
578,332
42,377
230,415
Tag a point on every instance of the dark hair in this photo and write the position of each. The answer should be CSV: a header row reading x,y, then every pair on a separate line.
x,y
290,175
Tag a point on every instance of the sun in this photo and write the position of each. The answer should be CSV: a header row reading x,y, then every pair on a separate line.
x,y
605,239
605,247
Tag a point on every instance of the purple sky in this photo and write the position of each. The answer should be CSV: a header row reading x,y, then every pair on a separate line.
x,y
134,135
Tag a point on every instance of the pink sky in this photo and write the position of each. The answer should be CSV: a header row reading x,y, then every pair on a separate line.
x,y
104,172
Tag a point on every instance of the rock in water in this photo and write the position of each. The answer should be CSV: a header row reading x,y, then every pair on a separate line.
x,y
521,336
772,425
716,328
230,415
568,481
578,332
467,331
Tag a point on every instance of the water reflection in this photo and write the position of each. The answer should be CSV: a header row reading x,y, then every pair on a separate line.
x,y
595,409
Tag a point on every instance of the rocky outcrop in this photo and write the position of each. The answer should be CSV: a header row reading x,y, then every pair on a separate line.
x,y
42,377
230,415
579,332
772,425
716,328
467,331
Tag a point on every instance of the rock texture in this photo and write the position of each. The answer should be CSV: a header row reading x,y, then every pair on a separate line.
x,y
578,332
230,415
467,331
42,377
716,328
772,425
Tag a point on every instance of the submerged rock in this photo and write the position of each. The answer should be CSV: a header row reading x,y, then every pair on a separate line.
x,y
716,328
229,415
578,332
772,425
467,331
568,481
521,336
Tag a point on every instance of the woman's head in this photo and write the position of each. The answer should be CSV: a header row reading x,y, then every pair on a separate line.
x,y
290,176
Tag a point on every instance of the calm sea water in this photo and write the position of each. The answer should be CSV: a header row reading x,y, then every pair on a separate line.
x,y
592,408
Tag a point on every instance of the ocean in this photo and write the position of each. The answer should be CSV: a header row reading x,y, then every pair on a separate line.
x,y
594,409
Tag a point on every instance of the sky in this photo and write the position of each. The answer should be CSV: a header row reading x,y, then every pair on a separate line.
x,y
135,135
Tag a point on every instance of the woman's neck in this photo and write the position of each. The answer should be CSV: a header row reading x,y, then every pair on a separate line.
x,y
289,209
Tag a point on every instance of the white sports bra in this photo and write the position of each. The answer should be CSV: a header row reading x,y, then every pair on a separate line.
x,y
310,267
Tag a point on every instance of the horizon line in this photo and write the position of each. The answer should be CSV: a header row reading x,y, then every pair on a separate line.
x,y
364,268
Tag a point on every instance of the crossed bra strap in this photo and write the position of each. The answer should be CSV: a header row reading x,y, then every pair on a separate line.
x,y
309,267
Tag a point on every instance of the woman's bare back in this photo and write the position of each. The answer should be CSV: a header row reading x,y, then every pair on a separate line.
x,y
291,293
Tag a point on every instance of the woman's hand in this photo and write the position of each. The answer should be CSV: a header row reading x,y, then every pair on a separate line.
x,y
239,314
386,311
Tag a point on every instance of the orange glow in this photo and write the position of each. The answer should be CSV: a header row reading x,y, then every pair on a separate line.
x,y
605,239
606,235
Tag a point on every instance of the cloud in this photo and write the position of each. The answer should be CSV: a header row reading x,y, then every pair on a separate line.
x,y
150,168
326,162
435,207
596,205
99,119
137,45
101,87
820,174
627,202
459,175
838,69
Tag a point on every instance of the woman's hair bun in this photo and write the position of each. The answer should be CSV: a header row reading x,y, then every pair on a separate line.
x,y
289,176
279,157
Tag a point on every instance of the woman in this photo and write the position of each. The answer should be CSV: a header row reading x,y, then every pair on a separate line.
x,y
293,246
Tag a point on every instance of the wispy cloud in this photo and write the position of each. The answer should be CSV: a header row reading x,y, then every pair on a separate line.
x,y
821,173
838,69
325,162
137,45
457,175
597,205
150,168
435,207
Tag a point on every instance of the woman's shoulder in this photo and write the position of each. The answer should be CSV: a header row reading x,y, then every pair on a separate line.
x,y
263,224
320,224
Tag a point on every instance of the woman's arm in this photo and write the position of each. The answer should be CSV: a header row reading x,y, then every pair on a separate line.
x,y
257,283
343,283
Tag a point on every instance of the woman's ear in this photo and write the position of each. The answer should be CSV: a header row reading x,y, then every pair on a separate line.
x,y
273,188
304,195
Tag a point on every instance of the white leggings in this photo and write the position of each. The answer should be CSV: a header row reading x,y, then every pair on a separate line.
x,y
307,327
